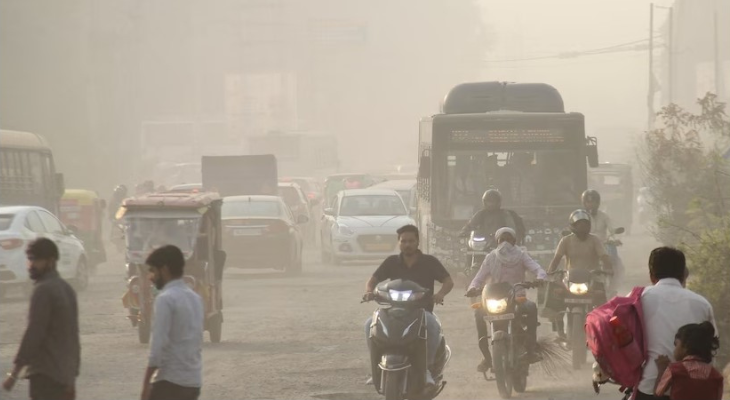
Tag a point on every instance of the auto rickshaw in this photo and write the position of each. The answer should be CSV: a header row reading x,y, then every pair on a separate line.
x,y
615,184
190,221
82,211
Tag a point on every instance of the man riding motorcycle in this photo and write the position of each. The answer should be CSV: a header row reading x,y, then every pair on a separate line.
x,y
602,227
507,263
581,248
411,264
492,217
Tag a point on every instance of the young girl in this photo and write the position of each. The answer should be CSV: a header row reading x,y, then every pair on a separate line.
x,y
691,376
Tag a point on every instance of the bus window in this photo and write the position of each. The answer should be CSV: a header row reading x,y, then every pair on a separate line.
x,y
35,169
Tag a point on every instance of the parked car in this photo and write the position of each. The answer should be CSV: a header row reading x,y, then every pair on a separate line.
x,y
19,225
362,224
296,200
262,232
406,188
310,186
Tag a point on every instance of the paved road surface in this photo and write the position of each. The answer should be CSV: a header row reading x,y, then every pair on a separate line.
x,y
284,338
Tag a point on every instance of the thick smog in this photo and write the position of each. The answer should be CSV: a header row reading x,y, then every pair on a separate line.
x,y
249,199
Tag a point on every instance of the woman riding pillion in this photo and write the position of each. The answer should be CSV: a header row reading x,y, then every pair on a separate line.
x,y
507,263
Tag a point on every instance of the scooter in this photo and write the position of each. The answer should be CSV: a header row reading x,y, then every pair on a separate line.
x,y
398,350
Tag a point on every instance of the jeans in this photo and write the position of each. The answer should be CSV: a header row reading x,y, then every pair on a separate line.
x,y
528,309
433,335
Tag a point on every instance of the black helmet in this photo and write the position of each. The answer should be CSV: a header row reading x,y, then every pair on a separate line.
x,y
494,195
591,195
579,215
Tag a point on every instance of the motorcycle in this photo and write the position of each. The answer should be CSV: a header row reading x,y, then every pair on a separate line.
x,y
398,349
506,339
577,292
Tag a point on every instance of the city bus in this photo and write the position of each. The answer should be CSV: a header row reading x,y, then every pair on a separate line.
x,y
27,172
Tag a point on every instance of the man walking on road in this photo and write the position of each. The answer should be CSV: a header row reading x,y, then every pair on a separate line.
x,y
50,350
177,332
667,306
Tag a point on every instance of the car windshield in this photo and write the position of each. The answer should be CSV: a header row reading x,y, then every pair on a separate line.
x,y
245,208
372,205
290,195
146,234
5,221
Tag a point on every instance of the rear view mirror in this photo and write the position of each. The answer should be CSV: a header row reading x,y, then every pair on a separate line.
x,y
619,231
60,185
424,165
592,151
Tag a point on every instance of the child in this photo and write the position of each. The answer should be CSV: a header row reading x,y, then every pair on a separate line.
x,y
691,376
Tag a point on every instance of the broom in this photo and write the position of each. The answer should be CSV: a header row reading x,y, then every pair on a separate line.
x,y
556,362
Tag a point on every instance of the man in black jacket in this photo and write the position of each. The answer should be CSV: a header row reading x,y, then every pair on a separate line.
x,y
492,217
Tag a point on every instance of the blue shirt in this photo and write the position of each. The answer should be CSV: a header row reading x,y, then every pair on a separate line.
x,y
177,335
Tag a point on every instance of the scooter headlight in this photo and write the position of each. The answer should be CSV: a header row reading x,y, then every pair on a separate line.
x,y
496,306
404,295
578,288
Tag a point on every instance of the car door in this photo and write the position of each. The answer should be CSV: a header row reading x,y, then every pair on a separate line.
x,y
67,244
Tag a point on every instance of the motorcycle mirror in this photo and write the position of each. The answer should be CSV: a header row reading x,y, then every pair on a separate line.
x,y
619,231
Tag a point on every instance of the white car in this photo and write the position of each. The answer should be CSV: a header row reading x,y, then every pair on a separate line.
x,y
406,188
362,224
19,225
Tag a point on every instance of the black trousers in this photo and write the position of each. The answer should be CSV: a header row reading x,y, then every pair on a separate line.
x,y
166,390
526,310
644,396
44,388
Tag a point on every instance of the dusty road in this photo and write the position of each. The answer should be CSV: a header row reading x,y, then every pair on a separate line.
x,y
284,338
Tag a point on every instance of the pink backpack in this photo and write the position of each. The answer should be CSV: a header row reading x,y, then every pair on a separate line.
x,y
615,335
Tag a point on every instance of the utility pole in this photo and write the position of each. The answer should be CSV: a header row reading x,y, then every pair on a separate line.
x,y
670,52
650,96
716,49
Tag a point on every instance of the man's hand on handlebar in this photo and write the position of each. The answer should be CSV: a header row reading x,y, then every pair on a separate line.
x,y
368,296
438,298
472,292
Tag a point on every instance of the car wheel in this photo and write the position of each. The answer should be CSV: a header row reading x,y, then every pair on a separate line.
x,y
81,281
295,263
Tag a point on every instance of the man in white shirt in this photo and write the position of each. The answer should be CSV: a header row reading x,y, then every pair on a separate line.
x,y
177,332
667,306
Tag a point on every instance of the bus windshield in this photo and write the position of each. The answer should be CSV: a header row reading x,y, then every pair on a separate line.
x,y
526,178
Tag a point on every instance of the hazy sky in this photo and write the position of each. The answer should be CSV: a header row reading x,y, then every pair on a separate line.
x,y
609,89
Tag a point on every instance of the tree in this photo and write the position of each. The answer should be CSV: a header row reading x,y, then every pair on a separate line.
x,y
689,182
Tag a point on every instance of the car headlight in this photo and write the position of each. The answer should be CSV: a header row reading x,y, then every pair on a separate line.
x,y
345,230
496,306
578,288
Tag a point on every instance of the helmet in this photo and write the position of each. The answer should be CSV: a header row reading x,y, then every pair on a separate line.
x,y
578,215
591,195
494,195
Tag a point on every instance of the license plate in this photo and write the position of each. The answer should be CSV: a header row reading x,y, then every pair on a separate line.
x,y
379,247
579,301
499,317
246,232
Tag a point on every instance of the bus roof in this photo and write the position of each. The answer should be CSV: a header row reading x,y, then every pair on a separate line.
x,y
22,140
172,200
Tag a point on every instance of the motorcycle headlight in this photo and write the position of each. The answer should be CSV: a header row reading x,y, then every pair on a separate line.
x,y
477,243
345,230
496,306
578,288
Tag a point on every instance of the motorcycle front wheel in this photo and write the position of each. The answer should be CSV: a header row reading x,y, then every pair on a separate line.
x,y
578,341
500,365
393,385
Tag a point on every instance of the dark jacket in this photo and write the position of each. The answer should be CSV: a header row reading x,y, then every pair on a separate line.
x,y
489,221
